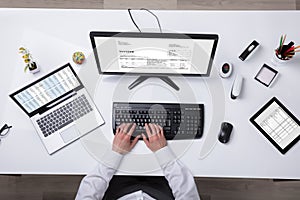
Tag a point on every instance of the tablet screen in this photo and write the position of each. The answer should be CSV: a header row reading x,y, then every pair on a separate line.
x,y
278,124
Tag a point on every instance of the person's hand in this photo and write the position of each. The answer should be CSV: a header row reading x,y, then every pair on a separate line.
x,y
156,138
122,143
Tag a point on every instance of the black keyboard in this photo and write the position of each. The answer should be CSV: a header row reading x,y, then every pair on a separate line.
x,y
64,115
179,121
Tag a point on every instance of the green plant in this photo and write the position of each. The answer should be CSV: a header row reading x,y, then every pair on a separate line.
x,y
27,59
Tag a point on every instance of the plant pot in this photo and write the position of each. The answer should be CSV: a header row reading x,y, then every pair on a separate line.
x,y
33,68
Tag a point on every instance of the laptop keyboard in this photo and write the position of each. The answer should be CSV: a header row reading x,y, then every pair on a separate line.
x,y
64,115
179,121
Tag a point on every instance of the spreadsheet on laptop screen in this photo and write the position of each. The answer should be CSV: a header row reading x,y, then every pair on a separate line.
x,y
47,89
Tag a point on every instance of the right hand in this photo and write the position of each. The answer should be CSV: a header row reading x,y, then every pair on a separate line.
x,y
156,138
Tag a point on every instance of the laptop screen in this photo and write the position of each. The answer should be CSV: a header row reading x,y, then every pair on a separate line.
x,y
154,53
47,89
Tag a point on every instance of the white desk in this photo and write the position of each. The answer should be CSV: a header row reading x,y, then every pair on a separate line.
x,y
248,154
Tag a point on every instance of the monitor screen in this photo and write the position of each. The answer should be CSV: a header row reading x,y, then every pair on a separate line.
x,y
46,89
154,53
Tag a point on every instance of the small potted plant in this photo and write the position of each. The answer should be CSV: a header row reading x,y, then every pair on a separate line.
x,y
30,64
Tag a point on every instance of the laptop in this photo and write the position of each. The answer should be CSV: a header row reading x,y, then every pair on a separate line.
x,y
59,108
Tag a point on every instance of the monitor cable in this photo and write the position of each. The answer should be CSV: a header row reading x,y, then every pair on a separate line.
x,y
133,21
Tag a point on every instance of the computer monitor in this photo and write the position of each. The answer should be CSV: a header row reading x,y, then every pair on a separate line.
x,y
154,54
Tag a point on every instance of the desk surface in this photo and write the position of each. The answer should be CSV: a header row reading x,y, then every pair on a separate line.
x,y
52,36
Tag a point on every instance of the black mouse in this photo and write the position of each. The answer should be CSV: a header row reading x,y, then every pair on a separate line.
x,y
225,132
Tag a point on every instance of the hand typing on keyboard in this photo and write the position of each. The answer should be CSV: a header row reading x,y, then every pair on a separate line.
x,y
123,144
156,138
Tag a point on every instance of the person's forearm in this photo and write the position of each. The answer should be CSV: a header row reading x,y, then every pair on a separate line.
x,y
181,181
95,183
179,177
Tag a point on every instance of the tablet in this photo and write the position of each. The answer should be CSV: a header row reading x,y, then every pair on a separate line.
x,y
277,124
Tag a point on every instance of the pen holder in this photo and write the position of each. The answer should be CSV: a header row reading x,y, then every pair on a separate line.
x,y
278,59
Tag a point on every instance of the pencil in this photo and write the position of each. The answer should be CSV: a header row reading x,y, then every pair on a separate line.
x,y
282,40
297,47
280,44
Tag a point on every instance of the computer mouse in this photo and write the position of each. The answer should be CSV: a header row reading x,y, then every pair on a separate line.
x,y
225,132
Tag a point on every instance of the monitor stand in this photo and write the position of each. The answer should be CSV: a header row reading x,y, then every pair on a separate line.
x,y
141,79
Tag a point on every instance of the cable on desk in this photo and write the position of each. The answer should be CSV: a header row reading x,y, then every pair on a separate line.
x,y
129,11
133,21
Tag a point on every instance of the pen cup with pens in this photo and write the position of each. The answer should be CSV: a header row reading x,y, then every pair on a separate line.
x,y
284,52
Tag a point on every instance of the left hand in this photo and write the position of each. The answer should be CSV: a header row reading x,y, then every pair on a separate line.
x,y
122,143
156,138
